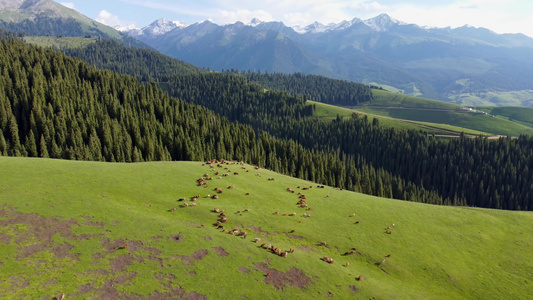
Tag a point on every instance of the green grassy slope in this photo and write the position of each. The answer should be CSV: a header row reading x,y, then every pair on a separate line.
x,y
63,226
404,107
326,111
59,42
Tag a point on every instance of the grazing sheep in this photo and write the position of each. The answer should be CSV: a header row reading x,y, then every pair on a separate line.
x,y
257,240
173,209
263,246
193,204
347,264
284,254
216,210
276,212
291,250
218,223
247,194
230,187
215,197
356,222
186,204
322,244
360,278
388,255
223,219
243,234
222,214
236,173
292,214
182,199
292,231
382,262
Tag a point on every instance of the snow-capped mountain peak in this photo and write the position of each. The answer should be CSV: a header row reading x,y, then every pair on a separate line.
x,y
254,22
162,26
382,22
317,27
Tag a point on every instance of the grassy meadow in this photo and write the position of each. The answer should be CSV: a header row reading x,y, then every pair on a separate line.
x,y
326,111
399,108
92,230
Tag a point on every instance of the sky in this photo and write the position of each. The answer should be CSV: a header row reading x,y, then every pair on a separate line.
x,y
501,16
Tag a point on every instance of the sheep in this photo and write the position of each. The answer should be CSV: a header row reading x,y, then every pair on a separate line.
x,y
244,234
215,197
292,214
223,219
322,243
186,204
218,223
388,255
360,278
182,199
230,187
347,264
382,262
193,204
284,254
291,250
292,231
222,214
216,210
236,173
257,240
276,212
173,209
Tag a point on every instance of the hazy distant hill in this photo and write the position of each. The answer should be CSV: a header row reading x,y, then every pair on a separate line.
x,y
48,18
435,63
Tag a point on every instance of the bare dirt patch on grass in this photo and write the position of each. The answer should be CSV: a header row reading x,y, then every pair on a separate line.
x,y
259,230
293,277
220,251
198,255
176,237
33,227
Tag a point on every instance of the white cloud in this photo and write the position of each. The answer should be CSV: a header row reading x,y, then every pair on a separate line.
x,y
68,4
109,19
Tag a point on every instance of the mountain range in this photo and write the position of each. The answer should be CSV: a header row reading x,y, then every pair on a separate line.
x,y
438,63
465,65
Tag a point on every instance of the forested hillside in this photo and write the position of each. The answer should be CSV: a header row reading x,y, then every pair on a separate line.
x,y
60,107
314,87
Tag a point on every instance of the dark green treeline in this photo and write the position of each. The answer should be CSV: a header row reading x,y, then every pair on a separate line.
x,y
351,153
55,106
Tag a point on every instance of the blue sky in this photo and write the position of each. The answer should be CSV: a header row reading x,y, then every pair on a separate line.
x,y
502,16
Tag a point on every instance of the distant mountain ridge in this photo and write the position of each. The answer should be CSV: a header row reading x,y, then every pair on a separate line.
x,y
48,18
435,63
